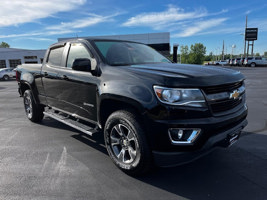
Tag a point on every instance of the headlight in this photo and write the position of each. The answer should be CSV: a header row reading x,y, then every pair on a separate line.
x,y
180,96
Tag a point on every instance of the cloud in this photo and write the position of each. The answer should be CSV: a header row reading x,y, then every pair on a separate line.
x,y
197,27
82,23
23,11
39,33
157,19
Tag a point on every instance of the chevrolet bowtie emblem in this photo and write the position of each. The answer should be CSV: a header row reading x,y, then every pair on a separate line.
x,y
234,94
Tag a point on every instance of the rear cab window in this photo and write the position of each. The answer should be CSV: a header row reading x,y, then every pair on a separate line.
x,y
55,56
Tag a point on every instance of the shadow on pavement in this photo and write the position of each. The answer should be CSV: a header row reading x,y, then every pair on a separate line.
x,y
239,172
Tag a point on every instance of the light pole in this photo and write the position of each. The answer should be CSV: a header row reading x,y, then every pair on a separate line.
x,y
233,46
244,44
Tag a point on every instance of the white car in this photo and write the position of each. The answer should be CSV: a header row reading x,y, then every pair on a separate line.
x,y
221,62
255,61
7,73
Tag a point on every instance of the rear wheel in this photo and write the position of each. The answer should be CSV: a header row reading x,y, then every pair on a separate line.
x,y
253,64
33,110
6,77
126,143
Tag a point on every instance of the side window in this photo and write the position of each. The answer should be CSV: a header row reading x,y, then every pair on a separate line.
x,y
77,50
55,56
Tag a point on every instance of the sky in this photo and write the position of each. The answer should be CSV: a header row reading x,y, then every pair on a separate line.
x,y
36,24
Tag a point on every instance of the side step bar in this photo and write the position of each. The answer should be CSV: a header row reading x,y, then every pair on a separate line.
x,y
70,122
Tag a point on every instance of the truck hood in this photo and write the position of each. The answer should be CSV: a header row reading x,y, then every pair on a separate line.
x,y
187,75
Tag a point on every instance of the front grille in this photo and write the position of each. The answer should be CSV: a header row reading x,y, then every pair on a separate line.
x,y
225,105
218,106
222,88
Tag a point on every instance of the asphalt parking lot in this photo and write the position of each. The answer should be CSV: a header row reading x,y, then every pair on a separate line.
x,y
53,161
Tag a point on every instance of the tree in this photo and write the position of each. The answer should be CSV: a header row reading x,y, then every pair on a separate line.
x,y
209,57
197,53
184,54
257,54
265,54
4,45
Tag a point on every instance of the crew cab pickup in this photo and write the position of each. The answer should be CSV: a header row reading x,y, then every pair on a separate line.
x,y
149,110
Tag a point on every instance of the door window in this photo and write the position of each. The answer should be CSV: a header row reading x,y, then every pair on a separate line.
x,y
77,50
55,56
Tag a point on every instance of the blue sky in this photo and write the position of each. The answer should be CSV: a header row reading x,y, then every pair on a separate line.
x,y
35,24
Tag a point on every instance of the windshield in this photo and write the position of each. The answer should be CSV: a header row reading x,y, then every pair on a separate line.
x,y
128,53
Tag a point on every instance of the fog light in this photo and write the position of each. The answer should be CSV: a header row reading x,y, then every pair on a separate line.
x,y
183,135
176,134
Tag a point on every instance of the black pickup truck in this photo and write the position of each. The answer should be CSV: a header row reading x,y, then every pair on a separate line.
x,y
150,111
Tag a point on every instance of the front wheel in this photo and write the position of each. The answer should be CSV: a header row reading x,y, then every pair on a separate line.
x,y
33,110
126,143
6,77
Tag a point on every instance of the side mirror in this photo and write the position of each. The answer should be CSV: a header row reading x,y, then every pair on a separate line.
x,y
84,64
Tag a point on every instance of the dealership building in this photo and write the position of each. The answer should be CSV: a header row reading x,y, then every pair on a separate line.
x,y
158,41
11,57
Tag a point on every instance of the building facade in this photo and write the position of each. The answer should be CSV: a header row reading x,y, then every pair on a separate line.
x,y
10,57
158,41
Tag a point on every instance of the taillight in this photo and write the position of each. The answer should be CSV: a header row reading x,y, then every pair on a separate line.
x,y
17,76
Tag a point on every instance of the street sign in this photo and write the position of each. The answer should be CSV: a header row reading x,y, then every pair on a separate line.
x,y
251,34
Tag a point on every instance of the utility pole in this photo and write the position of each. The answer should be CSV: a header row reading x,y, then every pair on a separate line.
x,y
245,36
223,51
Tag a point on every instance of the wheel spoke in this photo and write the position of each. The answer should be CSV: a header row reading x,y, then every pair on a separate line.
x,y
121,155
119,129
130,136
114,141
132,153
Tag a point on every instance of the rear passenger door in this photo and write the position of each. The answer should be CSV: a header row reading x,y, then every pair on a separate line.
x,y
50,79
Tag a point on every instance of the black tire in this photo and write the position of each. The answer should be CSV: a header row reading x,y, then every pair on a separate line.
x,y
126,143
5,77
253,64
34,111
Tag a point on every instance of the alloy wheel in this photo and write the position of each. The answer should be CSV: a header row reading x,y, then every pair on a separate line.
x,y
28,105
123,143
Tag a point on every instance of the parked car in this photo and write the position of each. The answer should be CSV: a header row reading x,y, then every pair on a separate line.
x,y
221,62
256,61
231,62
247,60
148,109
242,60
7,73
237,61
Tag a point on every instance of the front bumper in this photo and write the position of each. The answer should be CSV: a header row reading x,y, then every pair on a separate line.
x,y
222,139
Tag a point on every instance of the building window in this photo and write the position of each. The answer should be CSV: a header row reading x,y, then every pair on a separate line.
x,y
31,62
42,60
30,57
2,64
14,63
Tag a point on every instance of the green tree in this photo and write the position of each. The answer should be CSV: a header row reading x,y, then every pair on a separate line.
x,y
257,54
184,54
197,53
209,57
4,45
265,54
